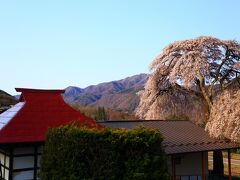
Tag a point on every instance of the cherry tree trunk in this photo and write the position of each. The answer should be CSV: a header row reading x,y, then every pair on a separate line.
x,y
218,167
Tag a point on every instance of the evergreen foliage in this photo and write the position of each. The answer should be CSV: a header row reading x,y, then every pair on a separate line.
x,y
101,114
73,153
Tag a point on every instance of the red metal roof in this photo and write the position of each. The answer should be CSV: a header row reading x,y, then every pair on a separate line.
x,y
41,110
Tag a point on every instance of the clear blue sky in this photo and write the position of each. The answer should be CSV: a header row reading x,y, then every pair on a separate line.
x,y
54,44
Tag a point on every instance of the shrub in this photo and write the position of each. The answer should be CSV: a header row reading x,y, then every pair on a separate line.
x,y
73,153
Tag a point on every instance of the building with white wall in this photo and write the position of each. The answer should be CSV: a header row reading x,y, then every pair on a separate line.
x,y
23,130
185,144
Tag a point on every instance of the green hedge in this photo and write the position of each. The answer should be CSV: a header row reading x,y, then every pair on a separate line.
x,y
73,153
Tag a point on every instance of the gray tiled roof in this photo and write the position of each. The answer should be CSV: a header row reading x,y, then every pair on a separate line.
x,y
179,136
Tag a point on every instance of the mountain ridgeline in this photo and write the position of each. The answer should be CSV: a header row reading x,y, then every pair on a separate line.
x,y
119,95
6,99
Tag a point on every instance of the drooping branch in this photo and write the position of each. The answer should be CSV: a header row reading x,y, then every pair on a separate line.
x,y
217,63
210,91
235,80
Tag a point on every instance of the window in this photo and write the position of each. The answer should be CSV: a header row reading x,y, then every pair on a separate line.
x,y
4,165
23,175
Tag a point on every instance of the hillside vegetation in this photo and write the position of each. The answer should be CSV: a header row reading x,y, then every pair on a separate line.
x,y
6,99
111,114
118,95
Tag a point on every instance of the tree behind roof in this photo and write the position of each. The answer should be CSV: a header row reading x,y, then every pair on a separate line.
x,y
205,66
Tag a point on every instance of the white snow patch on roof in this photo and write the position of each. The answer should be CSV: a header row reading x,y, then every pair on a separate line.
x,y
6,116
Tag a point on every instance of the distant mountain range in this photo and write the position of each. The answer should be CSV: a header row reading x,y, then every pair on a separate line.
x,y
119,95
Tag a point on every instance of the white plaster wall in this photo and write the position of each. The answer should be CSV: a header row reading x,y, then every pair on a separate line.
x,y
6,174
2,158
191,164
2,169
7,161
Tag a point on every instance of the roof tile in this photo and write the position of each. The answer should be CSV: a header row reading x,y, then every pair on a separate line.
x,y
29,121
179,136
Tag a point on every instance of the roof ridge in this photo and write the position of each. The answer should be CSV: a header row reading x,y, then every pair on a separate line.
x,y
23,90
143,120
